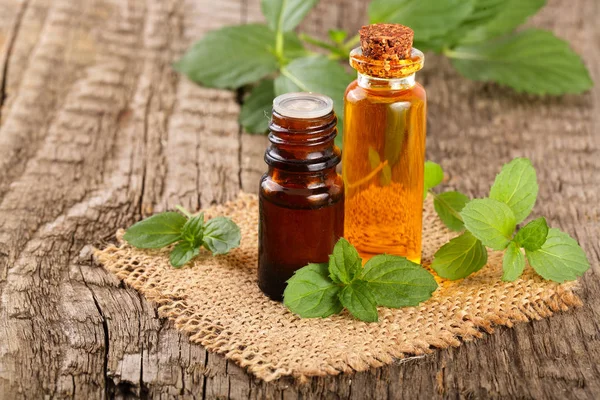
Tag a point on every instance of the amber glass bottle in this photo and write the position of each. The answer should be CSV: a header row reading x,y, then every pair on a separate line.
x,y
384,144
301,197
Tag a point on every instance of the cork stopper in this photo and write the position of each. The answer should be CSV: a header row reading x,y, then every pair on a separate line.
x,y
386,41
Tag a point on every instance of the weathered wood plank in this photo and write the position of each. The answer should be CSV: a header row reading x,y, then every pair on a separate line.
x,y
97,131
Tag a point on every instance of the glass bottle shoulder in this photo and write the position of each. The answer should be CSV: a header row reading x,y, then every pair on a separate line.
x,y
356,94
302,191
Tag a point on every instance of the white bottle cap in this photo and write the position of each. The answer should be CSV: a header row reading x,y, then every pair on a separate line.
x,y
302,105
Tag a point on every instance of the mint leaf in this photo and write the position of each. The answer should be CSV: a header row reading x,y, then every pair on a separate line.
x,y
158,231
397,282
221,235
434,175
193,229
513,263
337,36
285,15
490,221
448,206
428,18
499,18
182,253
533,235
516,185
344,263
256,109
316,74
311,294
460,257
359,301
559,259
533,61
231,57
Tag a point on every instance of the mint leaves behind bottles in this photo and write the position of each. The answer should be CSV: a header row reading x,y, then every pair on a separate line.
x,y
480,37
218,235
321,290
491,222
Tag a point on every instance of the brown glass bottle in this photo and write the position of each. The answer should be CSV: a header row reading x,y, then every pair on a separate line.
x,y
301,197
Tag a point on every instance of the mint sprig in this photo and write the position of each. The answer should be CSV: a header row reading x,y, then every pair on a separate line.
x,y
320,290
492,221
480,37
190,232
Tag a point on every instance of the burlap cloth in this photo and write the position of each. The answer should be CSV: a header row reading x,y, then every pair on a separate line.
x,y
216,301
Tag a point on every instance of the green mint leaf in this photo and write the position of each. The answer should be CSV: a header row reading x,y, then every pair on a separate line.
x,y
448,206
231,57
490,221
311,294
492,18
256,109
533,61
158,231
513,263
359,301
533,235
221,235
385,177
397,282
559,259
337,36
182,253
428,18
344,263
316,74
434,175
460,257
193,230
285,15
516,185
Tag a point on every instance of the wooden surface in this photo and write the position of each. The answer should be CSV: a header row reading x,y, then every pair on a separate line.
x,y
97,131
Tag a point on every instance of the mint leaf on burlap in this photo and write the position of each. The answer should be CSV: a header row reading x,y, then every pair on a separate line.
x,y
559,259
516,185
344,263
434,175
256,109
533,235
157,231
231,57
310,293
193,230
359,301
533,61
460,257
490,221
182,253
221,234
448,206
513,263
397,282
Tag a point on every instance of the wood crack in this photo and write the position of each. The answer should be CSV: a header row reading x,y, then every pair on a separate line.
x,y
9,48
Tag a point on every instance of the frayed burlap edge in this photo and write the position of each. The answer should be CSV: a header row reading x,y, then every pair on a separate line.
x,y
215,300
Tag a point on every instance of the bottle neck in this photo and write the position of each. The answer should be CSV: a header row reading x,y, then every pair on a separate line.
x,y
302,145
372,82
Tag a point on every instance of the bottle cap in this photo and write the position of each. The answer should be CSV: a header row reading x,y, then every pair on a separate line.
x,y
302,105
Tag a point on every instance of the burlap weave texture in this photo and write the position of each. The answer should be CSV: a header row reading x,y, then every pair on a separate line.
x,y
217,302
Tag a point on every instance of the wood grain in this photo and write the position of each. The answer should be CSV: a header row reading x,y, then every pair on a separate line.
x,y
97,131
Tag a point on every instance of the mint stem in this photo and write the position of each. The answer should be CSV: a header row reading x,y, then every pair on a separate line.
x,y
182,210
441,200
